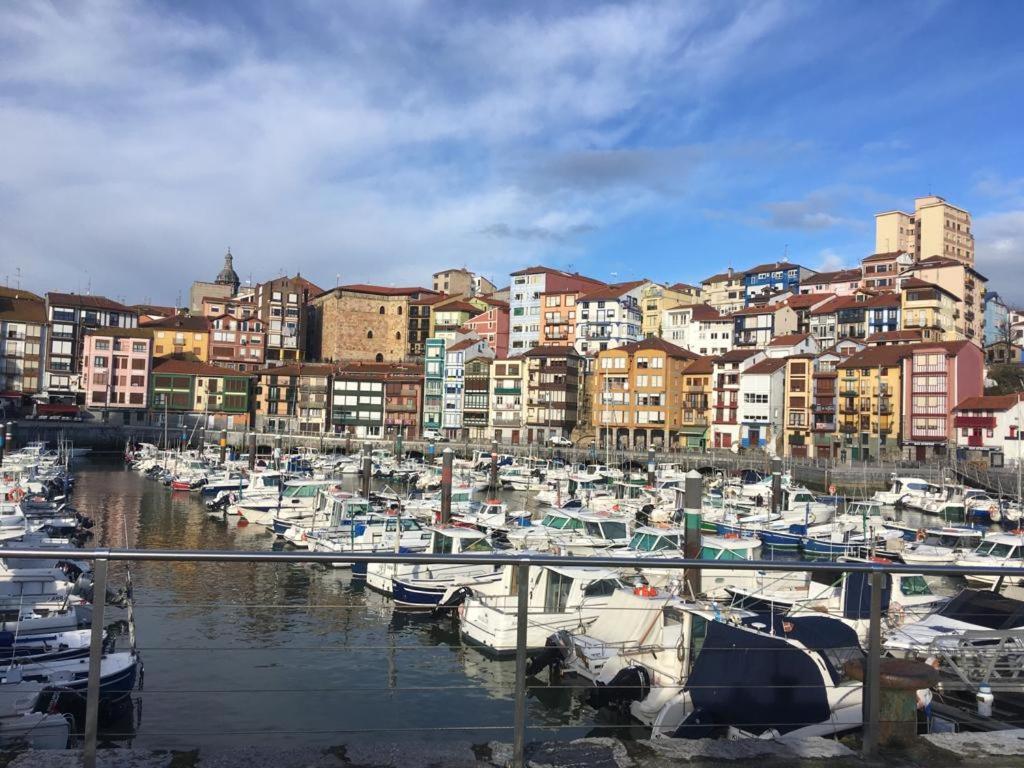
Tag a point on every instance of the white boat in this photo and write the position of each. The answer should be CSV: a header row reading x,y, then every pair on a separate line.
x,y
377,533
263,487
997,550
560,597
424,585
908,491
941,546
21,727
296,497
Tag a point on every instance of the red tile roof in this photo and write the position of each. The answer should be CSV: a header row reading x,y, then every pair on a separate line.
x,y
381,290
459,306
769,365
905,336
656,343
702,312
887,256
735,355
702,365
297,369
990,402
551,351
186,322
807,300
175,365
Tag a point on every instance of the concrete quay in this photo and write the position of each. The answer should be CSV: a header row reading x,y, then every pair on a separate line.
x,y
1002,748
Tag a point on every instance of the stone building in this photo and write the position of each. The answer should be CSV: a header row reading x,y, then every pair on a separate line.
x,y
363,322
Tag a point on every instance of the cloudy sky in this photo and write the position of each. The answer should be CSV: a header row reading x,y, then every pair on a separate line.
x,y
381,141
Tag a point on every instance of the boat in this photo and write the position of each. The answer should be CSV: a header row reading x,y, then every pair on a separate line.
x,y
376,533
22,728
64,681
997,550
560,597
423,585
941,546
295,496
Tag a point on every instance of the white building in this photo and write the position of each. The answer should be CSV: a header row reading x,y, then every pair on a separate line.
x,y
699,328
457,354
793,344
726,370
762,393
524,301
609,317
991,423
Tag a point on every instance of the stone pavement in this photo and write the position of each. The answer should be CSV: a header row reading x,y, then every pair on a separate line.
x,y
1003,748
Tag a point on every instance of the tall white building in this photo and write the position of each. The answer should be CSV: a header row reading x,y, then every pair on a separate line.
x,y
699,328
527,287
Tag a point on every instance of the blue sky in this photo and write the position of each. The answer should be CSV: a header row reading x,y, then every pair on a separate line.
x,y
382,141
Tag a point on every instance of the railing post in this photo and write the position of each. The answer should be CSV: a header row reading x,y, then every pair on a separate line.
x,y
872,677
92,695
522,604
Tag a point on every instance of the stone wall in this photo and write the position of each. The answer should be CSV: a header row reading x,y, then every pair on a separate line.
x,y
351,326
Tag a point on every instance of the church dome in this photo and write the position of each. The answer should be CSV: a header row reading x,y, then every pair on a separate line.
x,y
227,275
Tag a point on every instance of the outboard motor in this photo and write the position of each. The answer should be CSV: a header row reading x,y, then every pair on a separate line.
x,y
628,685
451,602
558,648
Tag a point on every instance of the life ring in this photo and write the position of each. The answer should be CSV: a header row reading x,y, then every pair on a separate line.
x,y
731,535
17,494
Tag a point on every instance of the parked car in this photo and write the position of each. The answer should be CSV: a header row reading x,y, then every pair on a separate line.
x,y
433,436
560,441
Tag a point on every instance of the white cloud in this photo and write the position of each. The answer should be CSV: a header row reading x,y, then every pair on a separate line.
x,y
999,252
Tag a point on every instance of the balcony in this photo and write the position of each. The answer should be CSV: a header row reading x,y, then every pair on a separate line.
x,y
974,422
823,426
823,408
401,408
508,390
505,421
848,429
849,393
849,410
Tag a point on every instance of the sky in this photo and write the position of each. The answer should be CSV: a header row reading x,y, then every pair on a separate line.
x,y
383,141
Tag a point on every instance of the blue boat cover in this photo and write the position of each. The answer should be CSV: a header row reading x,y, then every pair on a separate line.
x,y
755,682
857,595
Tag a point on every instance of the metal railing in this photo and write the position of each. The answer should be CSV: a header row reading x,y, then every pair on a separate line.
x,y
523,562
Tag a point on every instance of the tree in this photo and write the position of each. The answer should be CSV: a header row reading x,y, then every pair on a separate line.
x,y
1007,378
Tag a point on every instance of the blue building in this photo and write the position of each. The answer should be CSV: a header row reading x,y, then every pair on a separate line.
x,y
770,279
997,318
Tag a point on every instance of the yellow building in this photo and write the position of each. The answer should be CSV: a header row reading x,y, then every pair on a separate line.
x,y
723,291
446,317
655,299
182,336
638,393
935,228
870,387
929,308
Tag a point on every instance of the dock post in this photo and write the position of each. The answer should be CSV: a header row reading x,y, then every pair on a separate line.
x,y
92,693
9,435
776,485
367,469
522,617
223,446
493,484
447,458
694,489
252,451
3,433
652,476
873,669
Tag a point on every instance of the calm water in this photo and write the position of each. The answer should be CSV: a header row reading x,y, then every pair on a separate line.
x,y
247,653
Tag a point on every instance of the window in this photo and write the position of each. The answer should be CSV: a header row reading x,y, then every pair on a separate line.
x,y
140,346
556,594
398,335
369,334
102,344
99,362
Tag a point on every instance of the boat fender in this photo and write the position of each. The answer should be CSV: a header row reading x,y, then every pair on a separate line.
x,y
921,533
897,614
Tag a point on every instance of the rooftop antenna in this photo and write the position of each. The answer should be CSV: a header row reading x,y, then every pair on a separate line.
x,y
17,272
785,252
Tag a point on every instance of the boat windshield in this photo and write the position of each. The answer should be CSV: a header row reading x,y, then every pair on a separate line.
x,y
354,508
480,545
554,521
407,525
614,530
914,585
996,549
300,491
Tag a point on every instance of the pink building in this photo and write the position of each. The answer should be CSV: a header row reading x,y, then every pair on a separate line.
x,y
492,327
237,344
844,282
937,376
116,364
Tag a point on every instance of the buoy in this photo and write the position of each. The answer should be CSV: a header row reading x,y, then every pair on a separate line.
x,y
242,522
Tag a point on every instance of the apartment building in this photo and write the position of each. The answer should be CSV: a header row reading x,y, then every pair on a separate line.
x,y
457,353
724,291
507,414
180,335
928,309
115,372
237,344
766,280
552,383
491,326
403,401
841,282
420,322
699,328
461,282
760,410
293,398
792,344
756,326
558,318
936,377
199,394
282,304
655,299
725,394
638,393
824,405
433,384
798,405
855,316
696,418
991,424
880,270
360,396
964,283
803,304
528,285
935,228
23,341
609,317
476,401
70,316
870,386
448,316
996,319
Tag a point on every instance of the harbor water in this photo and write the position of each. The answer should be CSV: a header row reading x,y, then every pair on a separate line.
x,y
256,653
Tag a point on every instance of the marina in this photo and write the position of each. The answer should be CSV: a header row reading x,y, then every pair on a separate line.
x,y
224,654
